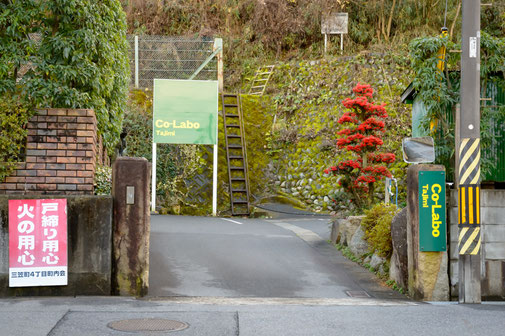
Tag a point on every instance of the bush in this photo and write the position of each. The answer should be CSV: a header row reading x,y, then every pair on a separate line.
x,y
377,227
67,54
103,180
13,118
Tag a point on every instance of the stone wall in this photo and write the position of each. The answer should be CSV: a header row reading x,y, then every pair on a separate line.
x,y
61,153
89,248
493,243
427,271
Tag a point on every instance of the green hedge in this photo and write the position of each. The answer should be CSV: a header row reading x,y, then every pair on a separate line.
x,y
377,227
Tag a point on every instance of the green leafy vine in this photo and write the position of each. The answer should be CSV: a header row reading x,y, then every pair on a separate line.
x,y
439,92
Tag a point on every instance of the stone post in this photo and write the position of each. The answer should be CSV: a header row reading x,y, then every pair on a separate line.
x,y
130,191
427,271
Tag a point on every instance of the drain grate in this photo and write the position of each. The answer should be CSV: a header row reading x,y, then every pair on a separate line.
x,y
150,324
358,294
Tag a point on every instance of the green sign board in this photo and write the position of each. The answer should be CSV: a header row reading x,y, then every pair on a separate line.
x,y
185,111
432,222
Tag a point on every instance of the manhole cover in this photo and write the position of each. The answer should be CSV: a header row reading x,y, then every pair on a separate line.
x,y
358,294
151,324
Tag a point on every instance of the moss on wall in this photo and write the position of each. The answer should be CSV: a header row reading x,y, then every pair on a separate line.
x,y
291,135
257,118
308,101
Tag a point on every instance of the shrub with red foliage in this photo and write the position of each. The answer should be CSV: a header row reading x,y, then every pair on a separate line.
x,y
362,137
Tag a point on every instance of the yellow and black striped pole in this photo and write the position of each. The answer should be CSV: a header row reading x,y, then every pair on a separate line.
x,y
469,197
469,238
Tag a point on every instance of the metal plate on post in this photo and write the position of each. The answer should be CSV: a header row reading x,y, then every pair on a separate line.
x,y
432,215
130,195
335,23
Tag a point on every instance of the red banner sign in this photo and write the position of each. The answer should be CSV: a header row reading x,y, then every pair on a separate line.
x,y
38,242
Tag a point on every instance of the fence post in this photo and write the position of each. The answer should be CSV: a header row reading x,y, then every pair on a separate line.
x,y
136,62
218,42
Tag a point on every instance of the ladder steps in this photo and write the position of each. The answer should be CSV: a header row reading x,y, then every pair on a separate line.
x,y
241,187
260,80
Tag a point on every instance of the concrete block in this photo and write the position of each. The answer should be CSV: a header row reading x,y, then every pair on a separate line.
x,y
452,217
453,271
494,233
453,198
493,215
89,248
494,251
453,251
492,198
453,232
494,284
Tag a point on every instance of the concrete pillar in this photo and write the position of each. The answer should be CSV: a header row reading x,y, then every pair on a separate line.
x,y
131,227
427,271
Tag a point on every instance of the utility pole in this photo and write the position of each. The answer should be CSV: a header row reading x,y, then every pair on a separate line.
x,y
468,147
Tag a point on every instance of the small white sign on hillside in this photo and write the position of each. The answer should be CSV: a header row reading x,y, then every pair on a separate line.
x,y
334,23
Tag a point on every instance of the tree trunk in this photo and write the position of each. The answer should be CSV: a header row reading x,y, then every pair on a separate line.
x,y
383,22
455,19
371,190
388,31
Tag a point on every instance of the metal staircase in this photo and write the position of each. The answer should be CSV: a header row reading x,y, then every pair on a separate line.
x,y
260,80
236,155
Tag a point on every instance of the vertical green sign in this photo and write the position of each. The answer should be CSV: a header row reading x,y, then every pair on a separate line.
x,y
432,221
185,111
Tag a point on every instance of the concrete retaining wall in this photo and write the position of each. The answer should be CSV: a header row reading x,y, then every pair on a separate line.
x,y
89,248
493,243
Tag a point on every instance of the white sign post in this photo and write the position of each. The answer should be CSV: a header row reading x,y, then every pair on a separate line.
x,y
334,23
185,112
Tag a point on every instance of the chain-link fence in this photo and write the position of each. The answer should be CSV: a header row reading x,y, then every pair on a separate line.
x,y
167,57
